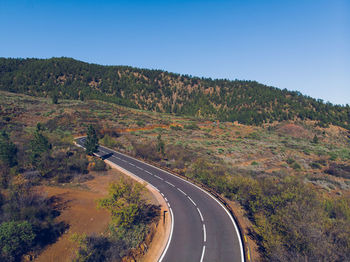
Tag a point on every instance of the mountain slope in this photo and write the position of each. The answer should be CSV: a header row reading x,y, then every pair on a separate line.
x,y
245,101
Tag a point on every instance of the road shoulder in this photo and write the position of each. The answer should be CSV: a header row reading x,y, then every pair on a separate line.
x,y
162,231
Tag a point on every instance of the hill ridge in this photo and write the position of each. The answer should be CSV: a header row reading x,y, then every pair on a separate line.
x,y
245,101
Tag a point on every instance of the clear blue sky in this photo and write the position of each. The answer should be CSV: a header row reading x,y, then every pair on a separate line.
x,y
300,45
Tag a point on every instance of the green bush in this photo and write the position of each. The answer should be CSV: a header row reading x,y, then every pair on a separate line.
x,y
16,238
140,123
99,165
192,126
296,166
290,161
253,135
176,127
8,150
221,150
108,141
315,165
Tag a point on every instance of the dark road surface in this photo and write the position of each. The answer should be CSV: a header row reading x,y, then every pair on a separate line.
x,y
202,229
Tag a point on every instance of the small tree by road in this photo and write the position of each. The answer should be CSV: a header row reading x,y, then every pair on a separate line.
x,y
125,203
91,143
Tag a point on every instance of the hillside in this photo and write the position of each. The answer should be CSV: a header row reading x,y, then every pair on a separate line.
x,y
247,102
293,189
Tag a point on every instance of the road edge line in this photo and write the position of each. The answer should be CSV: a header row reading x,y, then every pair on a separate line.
x,y
238,232
140,180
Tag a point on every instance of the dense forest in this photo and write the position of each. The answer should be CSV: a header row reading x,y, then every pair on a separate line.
x,y
247,102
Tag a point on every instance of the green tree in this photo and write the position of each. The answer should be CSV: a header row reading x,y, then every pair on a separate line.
x,y
81,97
125,203
8,150
160,144
315,140
39,145
16,238
54,98
91,143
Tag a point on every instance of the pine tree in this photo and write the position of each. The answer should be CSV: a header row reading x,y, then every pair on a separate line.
x,y
8,150
91,143
39,145
160,144
54,99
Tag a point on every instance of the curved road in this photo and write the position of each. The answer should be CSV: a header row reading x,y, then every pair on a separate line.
x,y
202,229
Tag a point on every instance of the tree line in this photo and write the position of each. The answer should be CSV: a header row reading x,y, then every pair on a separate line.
x,y
247,102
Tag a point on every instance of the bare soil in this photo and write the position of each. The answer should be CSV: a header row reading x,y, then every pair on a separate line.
x,y
78,210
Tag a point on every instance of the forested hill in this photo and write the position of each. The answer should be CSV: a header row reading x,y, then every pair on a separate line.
x,y
244,101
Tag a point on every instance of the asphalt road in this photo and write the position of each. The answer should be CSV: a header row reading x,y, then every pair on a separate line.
x,y
202,229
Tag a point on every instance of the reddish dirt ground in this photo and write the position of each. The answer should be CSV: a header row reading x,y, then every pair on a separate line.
x,y
80,212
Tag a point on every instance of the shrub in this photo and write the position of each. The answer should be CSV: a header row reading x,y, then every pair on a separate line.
x,y
54,99
178,156
192,126
146,151
95,248
124,202
339,170
108,141
77,164
221,150
130,217
253,135
290,161
16,238
315,165
8,150
296,166
315,140
176,127
140,123
99,165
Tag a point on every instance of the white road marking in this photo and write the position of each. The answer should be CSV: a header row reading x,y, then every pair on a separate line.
x,y
131,164
200,214
202,254
159,177
156,188
204,233
148,172
192,201
169,183
201,189
168,204
162,194
169,239
166,199
139,167
182,191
